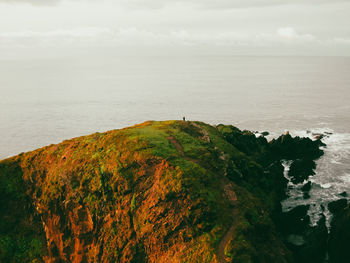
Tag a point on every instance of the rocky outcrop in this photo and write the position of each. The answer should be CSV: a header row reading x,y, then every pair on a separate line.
x,y
296,148
301,169
336,207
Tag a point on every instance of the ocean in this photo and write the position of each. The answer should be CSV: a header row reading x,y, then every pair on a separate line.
x,y
44,101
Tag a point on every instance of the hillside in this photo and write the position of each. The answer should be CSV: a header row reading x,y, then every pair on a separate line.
x,y
170,191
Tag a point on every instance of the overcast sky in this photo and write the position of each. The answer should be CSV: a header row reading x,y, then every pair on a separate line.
x,y
253,27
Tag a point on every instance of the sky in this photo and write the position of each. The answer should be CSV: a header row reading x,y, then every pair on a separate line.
x,y
225,27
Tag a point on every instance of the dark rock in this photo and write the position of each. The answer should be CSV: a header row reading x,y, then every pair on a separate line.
x,y
265,133
296,240
343,194
315,246
301,169
295,221
306,195
318,136
292,148
320,143
276,180
336,206
310,244
306,187
246,142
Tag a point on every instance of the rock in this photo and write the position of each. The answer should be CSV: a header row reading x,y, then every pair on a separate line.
x,y
306,195
292,148
318,136
306,187
310,244
320,143
315,246
296,240
301,169
343,194
265,133
335,207
246,142
295,221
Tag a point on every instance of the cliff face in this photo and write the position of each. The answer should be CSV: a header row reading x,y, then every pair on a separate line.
x,y
156,192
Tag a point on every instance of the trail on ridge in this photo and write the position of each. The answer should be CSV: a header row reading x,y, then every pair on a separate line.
x,y
228,192
231,196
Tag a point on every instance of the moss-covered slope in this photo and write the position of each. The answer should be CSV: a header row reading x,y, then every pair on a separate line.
x,y
168,191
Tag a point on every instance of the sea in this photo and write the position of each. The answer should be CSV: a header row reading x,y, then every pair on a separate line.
x,y
47,100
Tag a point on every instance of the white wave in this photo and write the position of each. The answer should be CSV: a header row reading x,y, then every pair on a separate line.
x,y
311,133
326,186
334,161
331,175
346,178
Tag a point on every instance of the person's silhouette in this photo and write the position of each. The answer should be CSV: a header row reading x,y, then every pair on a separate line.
x,y
183,118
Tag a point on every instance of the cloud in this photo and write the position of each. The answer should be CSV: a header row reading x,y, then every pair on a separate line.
x,y
132,40
32,2
61,37
341,41
291,34
158,4
287,32
220,4
139,37
73,33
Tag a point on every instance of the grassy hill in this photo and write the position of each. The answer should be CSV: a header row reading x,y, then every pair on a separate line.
x,y
170,191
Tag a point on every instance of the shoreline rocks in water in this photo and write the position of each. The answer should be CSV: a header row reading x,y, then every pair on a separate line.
x,y
159,192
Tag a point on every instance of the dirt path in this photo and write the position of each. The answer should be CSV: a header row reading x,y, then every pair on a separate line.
x,y
204,132
179,148
228,193
231,196
177,145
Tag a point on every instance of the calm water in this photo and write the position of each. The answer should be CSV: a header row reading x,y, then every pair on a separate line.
x,y
46,101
